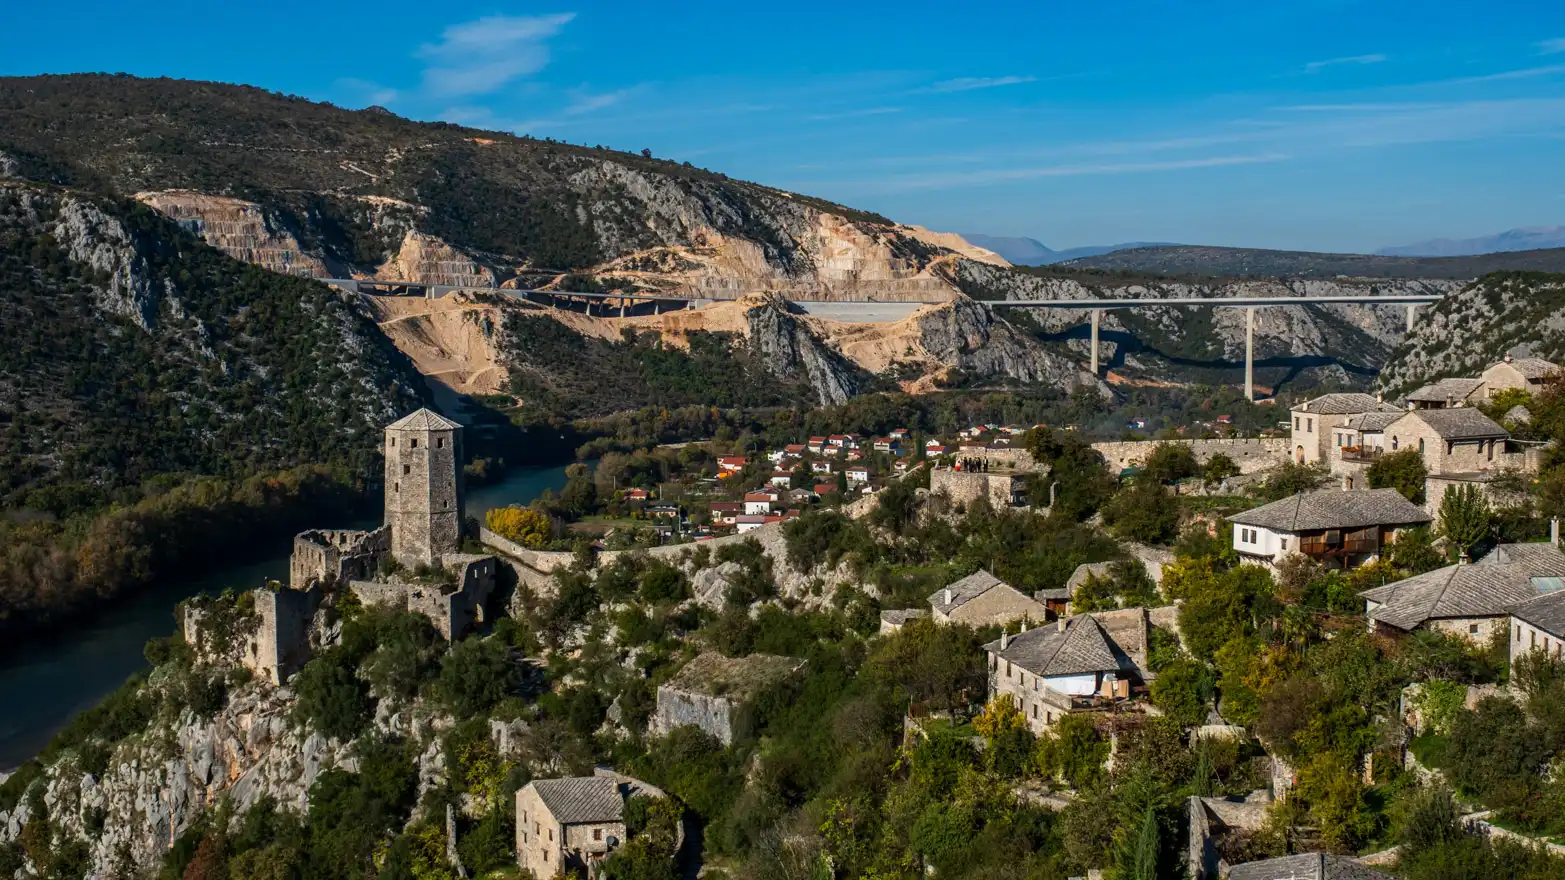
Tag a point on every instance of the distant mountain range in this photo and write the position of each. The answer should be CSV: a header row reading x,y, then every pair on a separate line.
x,y
1032,252
1527,238
1227,262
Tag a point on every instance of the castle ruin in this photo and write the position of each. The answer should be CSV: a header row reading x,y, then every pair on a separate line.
x,y
412,562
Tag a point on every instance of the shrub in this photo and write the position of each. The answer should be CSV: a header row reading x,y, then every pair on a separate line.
x,y
1403,471
331,698
474,675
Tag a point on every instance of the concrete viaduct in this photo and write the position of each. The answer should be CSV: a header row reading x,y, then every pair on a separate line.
x,y
881,312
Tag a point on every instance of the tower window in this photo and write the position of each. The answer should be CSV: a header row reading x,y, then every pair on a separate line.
x,y
392,442
407,469
396,487
413,444
440,443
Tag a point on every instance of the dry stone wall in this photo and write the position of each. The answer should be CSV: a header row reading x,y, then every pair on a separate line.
x,y
1250,454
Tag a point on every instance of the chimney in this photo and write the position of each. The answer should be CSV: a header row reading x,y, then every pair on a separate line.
x,y
948,597
1005,640
1554,531
1462,559
1024,626
1380,397
1062,624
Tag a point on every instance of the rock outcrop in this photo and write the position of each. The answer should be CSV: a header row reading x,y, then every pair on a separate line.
x,y
789,347
1520,314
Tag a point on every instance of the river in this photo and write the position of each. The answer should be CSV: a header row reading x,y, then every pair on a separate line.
x,y
43,689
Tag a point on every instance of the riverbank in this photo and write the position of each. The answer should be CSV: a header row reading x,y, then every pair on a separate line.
x,y
54,679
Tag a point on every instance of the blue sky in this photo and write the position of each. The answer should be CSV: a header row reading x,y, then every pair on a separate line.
x,y
1325,125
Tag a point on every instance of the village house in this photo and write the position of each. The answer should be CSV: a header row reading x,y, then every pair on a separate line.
x,y
726,512
795,449
825,488
886,444
760,502
1336,527
900,434
1528,374
841,441
1460,440
749,522
893,621
731,464
780,479
816,444
1471,600
820,467
634,495
981,599
1537,625
935,448
1447,393
1360,441
1073,664
1306,866
1316,423
572,824
858,475
711,690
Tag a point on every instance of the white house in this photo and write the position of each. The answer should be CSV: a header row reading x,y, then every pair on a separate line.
x,y
858,475
781,479
759,503
750,522
1341,528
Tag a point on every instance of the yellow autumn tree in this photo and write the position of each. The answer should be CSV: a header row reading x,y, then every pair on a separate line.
x,y
525,526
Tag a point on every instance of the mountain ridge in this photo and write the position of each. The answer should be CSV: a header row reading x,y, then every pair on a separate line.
x,y
1524,238
1024,251
1211,261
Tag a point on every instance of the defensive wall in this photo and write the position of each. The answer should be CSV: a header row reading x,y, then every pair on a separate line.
x,y
1249,453
1004,489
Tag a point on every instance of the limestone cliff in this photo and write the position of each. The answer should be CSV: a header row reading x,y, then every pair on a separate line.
x,y
1338,342
1517,313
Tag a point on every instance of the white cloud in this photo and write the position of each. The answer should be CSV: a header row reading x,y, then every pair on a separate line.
x,y
583,101
1316,66
480,56
854,114
944,180
1524,73
969,83
1551,47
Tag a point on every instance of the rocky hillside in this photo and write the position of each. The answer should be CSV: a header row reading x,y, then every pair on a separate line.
x,y
128,349
1518,312
313,189
1306,345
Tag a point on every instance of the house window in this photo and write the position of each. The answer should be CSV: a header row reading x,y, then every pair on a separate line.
x,y
396,488
1393,442
1309,426
1472,629
413,444
1491,450
1295,423
393,442
1035,712
1518,634
407,469
1420,446
597,834
1008,669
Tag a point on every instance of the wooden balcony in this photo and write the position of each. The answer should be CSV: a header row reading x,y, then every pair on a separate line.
x,y
1360,453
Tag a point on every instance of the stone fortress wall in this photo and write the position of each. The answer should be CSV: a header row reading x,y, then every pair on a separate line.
x,y
1250,454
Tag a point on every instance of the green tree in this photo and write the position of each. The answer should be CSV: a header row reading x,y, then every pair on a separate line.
x,y
1144,511
1170,463
1466,519
474,675
1073,750
1414,551
331,698
1403,471
1178,690
1218,468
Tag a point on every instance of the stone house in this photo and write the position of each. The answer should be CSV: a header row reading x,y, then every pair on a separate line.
x,y
1340,528
1315,421
1459,440
1472,600
1529,374
711,690
1306,866
1539,625
981,599
337,555
1360,441
572,824
1447,393
1074,664
893,621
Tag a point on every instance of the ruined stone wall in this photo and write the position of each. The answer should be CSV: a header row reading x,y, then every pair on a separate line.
x,y
282,644
1250,454
965,487
336,555
675,708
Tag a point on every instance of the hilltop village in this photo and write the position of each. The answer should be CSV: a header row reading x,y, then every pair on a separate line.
x,y
1334,651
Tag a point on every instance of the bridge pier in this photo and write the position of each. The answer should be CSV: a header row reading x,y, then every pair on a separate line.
x,y
1097,315
1412,313
1249,353
622,308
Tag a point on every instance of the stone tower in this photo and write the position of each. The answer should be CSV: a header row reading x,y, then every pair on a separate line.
x,y
423,487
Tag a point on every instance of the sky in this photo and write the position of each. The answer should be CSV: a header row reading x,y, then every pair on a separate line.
x,y
1315,125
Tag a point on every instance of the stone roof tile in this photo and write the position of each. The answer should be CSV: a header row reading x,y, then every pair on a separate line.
x,y
1334,509
1446,389
1344,404
1487,588
1459,423
423,420
580,800
1306,866
1082,647
964,591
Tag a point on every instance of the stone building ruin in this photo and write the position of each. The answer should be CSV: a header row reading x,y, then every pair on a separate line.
x,y
412,562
